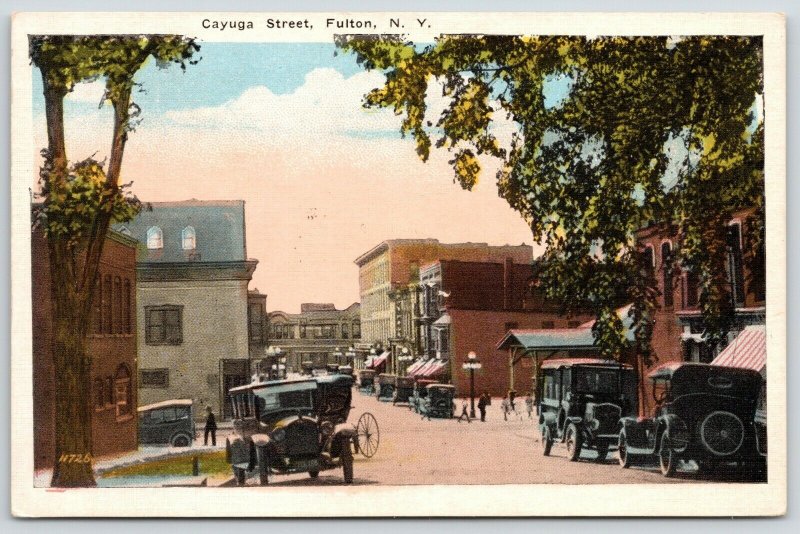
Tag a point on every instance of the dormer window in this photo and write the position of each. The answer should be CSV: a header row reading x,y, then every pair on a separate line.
x,y
155,238
188,238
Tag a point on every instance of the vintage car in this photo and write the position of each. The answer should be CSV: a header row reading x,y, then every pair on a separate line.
x,y
439,401
420,393
403,389
307,368
366,381
385,388
703,413
332,368
292,426
169,422
581,401
346,370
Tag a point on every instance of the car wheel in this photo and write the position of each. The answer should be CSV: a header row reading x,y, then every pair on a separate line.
x,y
666,457
573,439
313,474
547,441
347,465
602,450
181,440
625,460
263,465
240,475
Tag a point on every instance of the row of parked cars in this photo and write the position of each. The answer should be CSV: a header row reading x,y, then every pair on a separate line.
x,y
705,413
424,396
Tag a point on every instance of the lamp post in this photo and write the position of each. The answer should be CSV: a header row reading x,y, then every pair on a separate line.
x,y
338,355
405,357
471,364
273,353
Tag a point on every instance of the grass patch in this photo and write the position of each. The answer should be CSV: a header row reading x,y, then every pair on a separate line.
x,y
211,463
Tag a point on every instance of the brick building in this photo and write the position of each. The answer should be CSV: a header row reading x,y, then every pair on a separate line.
x,y
469,306
390,291
192,301
319,334
111,345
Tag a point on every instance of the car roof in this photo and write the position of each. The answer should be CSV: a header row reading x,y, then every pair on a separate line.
x,y
440,386
668,370
569,362
317,380
165,404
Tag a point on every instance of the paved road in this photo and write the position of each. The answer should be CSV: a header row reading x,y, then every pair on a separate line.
x,y
439,451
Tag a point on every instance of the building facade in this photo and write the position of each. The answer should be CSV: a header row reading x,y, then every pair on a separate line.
x,y
390,291
468,306
111,345
192,301
318,335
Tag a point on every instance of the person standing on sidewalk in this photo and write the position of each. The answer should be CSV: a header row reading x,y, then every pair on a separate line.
x,y
505,406
529,405
483,402
211,427
465,411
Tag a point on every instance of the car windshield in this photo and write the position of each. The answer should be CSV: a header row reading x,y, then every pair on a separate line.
x,y
296,397
597,380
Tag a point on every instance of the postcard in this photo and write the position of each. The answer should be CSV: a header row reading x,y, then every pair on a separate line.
x,y
398,264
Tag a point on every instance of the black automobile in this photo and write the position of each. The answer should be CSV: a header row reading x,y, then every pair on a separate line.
x,y
292,426
438,401
705,413
581,401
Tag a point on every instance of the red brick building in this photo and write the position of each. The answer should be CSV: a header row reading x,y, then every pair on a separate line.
x,y
111,344
469,306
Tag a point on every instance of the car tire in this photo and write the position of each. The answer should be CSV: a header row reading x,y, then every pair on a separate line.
x,y
547,441
262,463
240,475
624,457
347,465
574,443
667,459
180,440
602,451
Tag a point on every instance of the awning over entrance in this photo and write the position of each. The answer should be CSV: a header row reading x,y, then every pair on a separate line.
x,y
747,351
436,370
414,366
422,369
378,360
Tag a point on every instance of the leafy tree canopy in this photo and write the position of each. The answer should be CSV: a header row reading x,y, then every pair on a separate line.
x,y
650,130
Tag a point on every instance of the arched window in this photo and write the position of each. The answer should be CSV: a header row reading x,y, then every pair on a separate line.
x,y
126,308
107,305
122,391
97,305
189,238
649,258
155,238
666,267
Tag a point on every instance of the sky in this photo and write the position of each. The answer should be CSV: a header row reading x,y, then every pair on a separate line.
x,y
282,127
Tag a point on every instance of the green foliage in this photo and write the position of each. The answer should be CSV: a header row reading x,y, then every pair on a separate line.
x,y
652,130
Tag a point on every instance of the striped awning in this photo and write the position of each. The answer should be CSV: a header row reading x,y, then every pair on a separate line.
x,y
414,366
747,351
436,370
422,369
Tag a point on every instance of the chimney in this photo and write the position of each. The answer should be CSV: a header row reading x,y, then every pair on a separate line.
x,y
508,268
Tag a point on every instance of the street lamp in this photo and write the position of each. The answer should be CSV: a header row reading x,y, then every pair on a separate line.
x,y
471,364
405,357
337,354
273,353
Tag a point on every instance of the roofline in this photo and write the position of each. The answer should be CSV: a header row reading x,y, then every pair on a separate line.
x,y
371,253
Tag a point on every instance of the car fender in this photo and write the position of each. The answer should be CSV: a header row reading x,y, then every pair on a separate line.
x,y
345,430
261,440
676,430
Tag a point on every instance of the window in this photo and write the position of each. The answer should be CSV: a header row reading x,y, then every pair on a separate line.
x,y
107,305
126,308
666,267
288,331
97,304
735,275
154,378
648,258
188,238
155,238
357,330
345,331
164,325
122,392
99,396
302,331
117,318
692,290
256,317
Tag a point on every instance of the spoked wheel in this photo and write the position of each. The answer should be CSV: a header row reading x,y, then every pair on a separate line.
x,y
623,455
547,441
369,436
574,442
666,457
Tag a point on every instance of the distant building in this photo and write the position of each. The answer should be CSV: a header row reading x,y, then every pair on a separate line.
x,y
467,307
192,301
319,334
258,334
111,346
389,290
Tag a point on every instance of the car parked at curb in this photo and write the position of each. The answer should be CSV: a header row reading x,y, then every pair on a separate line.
x,y
705,413
168,422
581,401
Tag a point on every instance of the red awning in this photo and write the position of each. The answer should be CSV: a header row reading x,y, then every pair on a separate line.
x,y
436,370
378,361
747,351
420,371
414,366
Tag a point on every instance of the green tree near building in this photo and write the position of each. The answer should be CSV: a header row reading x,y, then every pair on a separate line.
x,y
640,131
79,202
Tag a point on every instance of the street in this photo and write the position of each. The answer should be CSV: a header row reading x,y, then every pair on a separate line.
x,y
413,450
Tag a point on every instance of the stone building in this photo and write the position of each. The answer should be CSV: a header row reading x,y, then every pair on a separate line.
x,y
319,334
111,345
192,301
389,286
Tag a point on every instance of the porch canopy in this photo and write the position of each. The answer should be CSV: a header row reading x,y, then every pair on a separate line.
x,y
747,351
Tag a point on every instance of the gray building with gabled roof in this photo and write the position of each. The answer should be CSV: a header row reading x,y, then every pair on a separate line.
x,y
192,301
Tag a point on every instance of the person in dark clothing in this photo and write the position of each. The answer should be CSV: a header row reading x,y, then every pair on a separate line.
x,y
211,427
483,402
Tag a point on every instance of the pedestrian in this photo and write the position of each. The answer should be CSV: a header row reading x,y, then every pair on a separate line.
x,y
511,396
464,411
505,406
211,427
484,401
529,405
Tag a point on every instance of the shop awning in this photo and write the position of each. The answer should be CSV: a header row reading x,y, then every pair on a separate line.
x,y
747,351
436,370
414,366
379,360
422,369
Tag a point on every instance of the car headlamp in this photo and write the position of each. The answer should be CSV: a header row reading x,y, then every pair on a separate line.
x,y
279,435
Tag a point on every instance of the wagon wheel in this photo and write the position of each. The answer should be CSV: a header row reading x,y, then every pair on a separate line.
x,y
369,436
